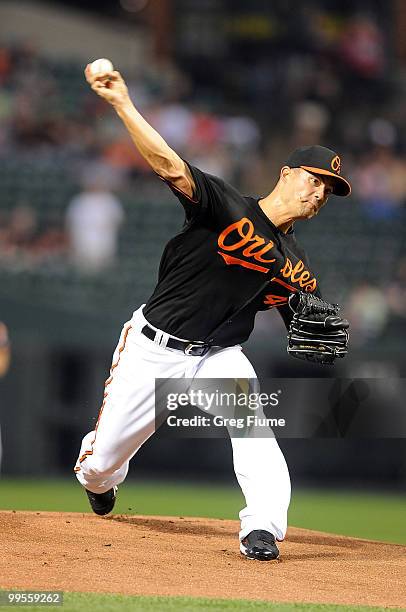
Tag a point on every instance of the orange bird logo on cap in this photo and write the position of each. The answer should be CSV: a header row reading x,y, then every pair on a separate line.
x,y
336,164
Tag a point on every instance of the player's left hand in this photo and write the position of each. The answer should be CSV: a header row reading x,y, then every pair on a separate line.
x,y
316,332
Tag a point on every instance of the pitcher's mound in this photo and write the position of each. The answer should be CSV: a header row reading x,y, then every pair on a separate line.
x,y
152,555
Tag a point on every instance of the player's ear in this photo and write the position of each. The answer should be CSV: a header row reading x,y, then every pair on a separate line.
x,y
285,173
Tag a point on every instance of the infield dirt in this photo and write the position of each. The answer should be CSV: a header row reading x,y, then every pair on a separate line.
x,y
155,555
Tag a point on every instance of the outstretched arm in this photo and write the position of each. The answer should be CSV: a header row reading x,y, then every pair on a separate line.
x,y
163,160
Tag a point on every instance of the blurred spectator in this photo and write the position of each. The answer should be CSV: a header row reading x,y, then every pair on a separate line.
x,y
310,122
93,220
380,183
51,246
174,122
23,245
396,292
214,159
121,155
362,47
242,133
18,236
206,129
4,350
3,229
382,132
163,79
368,313
5,64
4,361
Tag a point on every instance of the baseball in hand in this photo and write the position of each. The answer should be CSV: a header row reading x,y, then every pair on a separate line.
x,y
100,65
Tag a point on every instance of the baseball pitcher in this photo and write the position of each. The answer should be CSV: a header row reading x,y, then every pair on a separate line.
x,y
234,256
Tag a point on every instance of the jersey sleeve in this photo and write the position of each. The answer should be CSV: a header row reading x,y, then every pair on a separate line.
x,y
210,194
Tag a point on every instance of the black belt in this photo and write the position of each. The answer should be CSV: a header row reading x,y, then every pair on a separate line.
x,y
195,349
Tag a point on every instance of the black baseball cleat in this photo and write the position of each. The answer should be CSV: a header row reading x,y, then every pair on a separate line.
x,y
260,545
102,503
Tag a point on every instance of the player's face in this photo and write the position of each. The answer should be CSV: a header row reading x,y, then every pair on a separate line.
x,y
310,192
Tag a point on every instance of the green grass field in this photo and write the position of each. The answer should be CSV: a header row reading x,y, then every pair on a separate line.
x,y
373,516
83,602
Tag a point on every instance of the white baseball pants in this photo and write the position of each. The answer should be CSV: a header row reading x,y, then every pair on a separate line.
x,y
127,420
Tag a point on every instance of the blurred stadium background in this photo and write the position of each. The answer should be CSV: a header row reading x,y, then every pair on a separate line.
x,y
233,86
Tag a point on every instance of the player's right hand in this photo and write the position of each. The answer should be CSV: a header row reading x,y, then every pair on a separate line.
x,y
108,85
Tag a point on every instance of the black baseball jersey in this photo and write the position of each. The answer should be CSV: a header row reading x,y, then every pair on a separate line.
x,y
228,262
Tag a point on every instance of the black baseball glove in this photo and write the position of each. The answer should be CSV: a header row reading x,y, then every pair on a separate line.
x,y
316,332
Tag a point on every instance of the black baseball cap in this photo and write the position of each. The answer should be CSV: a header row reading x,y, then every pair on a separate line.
x,y
320,160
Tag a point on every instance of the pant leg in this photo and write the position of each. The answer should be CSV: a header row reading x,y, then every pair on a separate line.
x,y
259,464
127,416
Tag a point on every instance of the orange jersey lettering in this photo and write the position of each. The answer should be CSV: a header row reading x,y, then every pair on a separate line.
x,y
241,234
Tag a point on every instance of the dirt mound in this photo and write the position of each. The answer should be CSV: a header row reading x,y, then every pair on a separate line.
x,y
150,555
